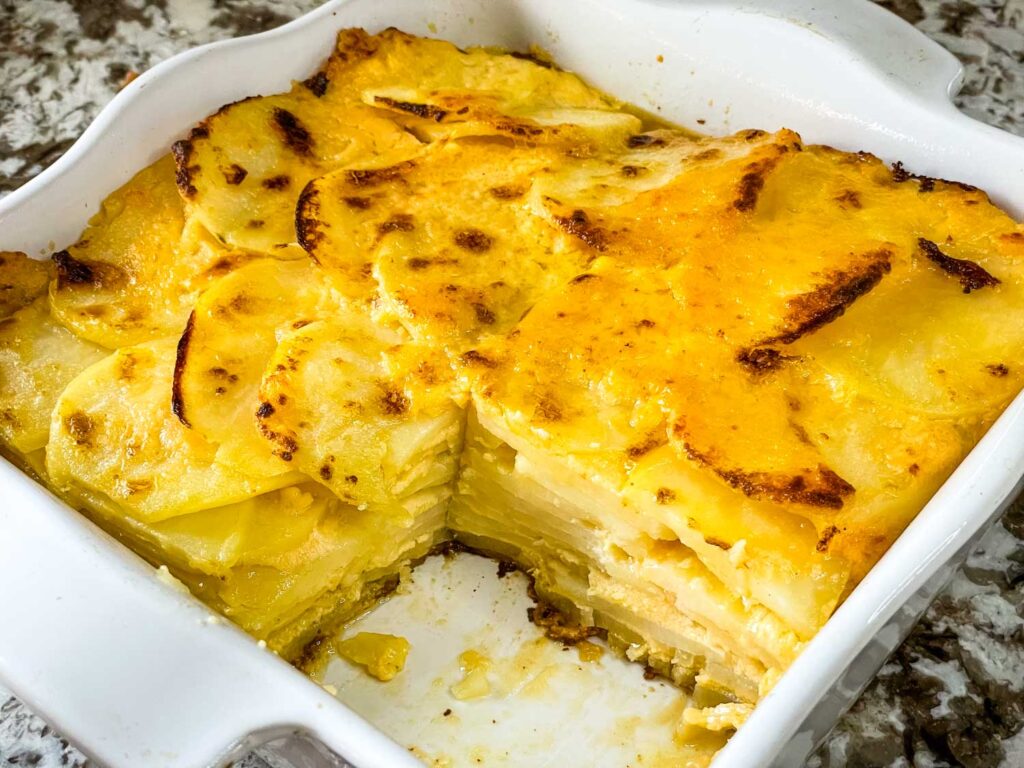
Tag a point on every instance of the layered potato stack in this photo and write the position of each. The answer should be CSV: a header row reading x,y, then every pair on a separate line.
x,y
693,386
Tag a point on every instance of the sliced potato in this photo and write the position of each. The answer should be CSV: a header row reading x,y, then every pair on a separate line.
x,y
447,235
139,266
118,284
440,91
22,281
259,531
114,436
242,169
921,338
231,334
38,357
369,417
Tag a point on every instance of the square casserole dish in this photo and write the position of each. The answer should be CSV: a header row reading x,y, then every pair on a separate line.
x,y
137,674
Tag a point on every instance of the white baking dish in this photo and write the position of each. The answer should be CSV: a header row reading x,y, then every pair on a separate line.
x,y
138,674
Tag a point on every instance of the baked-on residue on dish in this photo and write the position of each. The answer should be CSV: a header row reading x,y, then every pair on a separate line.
x,y
694,387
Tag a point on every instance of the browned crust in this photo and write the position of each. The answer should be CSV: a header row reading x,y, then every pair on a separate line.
x,y
357,203
234,174
826,539
579,226
971,276
645,446
426,111
317,84
316,652
507,192
761,360
294,134
827,302
180,359
356,44
644,140
71,271
520,128
818,487
848,199
484,314
473,240
280,181
393,401
532,57
752,182
474,358
400,222
926,183
184,169
375,176
555,624
287,445
307,226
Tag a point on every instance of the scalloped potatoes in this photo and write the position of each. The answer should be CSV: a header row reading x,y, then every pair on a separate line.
x,y
693,386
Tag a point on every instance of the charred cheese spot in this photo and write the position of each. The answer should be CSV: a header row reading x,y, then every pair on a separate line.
x,y
971,276
547,409
185,169
474,358
278,182
646,446
826,538
293,133
80,426
234,174
484,315
426,111
507,192
70,271
393,401
752,182
848,199
317,84
180,360
473,240
761,359
578,225
400,222
307,219
376,176
828,301
644,140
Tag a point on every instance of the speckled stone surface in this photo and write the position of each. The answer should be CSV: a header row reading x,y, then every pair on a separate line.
x,y
952,695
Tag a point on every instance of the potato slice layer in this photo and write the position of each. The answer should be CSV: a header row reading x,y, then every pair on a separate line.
x,y
371,418
38,357
114,435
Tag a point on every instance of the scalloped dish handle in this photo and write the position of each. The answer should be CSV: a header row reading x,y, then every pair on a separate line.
x,y
878,39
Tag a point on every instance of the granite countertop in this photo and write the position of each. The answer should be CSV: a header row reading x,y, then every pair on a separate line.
x,y
952,695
